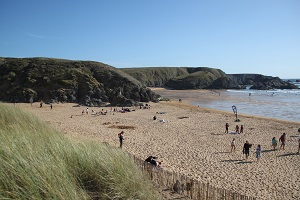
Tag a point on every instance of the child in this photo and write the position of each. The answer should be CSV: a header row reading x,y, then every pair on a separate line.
x,y
233,145
274,143
121,138
258,151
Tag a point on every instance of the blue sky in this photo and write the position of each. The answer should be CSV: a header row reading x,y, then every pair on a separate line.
x,y
236,36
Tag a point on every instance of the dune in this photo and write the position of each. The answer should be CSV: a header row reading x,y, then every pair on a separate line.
x,y
191,140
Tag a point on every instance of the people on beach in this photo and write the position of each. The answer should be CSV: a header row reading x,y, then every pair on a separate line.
x,y
87,111
246,149
121,138
41,104
282,139
258,152
242,129
274,143
232,145
237,129
154,118
226,127
51,106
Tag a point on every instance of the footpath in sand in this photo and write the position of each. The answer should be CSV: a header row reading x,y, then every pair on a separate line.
x,y
192,141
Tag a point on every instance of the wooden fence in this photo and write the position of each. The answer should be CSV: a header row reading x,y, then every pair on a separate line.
x,y
187,186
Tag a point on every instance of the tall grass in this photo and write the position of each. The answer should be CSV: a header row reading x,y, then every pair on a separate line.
x,y
38,162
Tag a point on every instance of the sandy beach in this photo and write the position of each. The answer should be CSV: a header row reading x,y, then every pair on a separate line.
x,y
192,141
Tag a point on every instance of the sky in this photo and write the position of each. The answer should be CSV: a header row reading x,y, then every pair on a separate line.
x,y
236,36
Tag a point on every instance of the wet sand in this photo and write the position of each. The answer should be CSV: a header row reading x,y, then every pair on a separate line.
x,y
192,141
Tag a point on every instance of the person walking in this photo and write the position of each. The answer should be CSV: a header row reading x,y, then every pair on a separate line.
x,y
121,138
282,139
246,149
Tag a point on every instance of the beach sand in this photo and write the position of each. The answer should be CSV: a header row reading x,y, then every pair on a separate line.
x,y
192,141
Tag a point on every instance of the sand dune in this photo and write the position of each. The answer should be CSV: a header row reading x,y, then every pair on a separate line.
x,y
192,141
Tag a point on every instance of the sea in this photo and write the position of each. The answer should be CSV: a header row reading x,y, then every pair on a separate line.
x,y
279,104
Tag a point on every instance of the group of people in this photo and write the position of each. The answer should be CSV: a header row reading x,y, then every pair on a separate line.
x,y
258,149
238,129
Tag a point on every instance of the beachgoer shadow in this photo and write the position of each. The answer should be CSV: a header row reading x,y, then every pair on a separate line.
x,y
222,152
216,134
268,150
244,162
288,154
231,160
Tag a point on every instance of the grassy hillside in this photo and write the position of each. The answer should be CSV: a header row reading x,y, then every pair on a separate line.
x,y
37,162
84,82
176,77
155,76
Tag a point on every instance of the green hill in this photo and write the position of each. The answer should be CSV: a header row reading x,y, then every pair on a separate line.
x,y
84,82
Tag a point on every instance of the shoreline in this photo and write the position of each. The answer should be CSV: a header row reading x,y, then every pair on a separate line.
x,y
208,97
192,142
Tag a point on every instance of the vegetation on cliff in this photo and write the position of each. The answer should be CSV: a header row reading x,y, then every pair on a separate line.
x,y
84,82
204,78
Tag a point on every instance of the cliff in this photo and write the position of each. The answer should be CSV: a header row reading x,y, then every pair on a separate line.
x,y
83,82
204,78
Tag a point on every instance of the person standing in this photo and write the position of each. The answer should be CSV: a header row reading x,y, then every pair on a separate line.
x,y
121,138
274,143
246,149
226,127
237,129
258,151
242,129
233,145
282,139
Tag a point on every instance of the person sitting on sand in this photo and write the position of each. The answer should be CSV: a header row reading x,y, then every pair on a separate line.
x,y
232,145
148,160
282,140
152,160
274,143
246,149
258,151
154,118
226,127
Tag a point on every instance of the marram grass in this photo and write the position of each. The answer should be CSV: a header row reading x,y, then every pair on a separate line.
x,y
38,162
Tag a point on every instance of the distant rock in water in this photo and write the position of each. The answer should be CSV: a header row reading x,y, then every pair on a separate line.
x,y
57,80
261,82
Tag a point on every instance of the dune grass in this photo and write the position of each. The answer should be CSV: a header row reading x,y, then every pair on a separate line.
x,y
38,162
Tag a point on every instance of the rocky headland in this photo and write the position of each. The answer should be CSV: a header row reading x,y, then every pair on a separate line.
x,y
94,83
